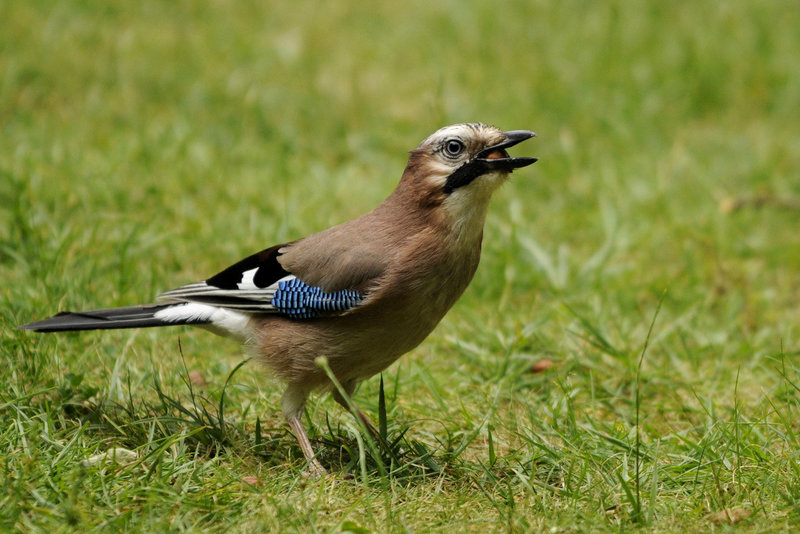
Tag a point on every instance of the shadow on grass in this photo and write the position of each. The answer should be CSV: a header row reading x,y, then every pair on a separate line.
x,y
205,427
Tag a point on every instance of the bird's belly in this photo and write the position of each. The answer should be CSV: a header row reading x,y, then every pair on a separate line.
x,y
357,346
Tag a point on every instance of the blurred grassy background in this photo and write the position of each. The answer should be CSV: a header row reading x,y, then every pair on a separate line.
x,y
149,144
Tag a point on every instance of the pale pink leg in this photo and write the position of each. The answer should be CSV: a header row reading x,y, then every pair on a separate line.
x,y
294,398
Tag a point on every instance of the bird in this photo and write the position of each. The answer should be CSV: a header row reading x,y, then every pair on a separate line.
x,y
360,294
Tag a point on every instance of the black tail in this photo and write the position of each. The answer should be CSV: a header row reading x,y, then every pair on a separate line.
x,y
127,317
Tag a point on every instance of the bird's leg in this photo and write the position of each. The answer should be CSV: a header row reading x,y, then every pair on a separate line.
x,y
293,401
349,387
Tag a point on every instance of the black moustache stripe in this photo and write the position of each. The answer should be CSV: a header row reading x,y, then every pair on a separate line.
x,y
465,175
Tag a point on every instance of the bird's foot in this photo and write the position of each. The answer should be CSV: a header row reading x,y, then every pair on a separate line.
x,y
314,470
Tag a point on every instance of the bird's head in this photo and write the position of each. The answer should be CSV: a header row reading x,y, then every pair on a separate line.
x,y
463,164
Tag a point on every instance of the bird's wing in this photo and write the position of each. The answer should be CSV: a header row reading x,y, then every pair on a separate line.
x,y
261,284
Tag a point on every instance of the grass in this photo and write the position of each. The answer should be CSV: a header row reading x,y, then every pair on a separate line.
x,y
151,144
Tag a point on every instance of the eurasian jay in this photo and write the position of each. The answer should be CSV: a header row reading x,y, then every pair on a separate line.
x,y
360,294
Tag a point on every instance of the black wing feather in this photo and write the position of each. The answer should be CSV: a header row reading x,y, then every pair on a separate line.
x,y
269,270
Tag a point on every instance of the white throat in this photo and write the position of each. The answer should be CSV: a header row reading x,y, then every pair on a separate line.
x,y
467,207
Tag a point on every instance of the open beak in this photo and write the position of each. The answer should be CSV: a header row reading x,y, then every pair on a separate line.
x,y
496,157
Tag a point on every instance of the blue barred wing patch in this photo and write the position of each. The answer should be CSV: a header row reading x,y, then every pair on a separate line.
x,y
299,300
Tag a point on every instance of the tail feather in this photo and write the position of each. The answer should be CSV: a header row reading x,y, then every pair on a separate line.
x,y
127,317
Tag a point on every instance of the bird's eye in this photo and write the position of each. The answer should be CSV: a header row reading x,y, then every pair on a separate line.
x,y
453,147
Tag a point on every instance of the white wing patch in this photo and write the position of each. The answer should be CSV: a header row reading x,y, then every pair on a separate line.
x,y
247,280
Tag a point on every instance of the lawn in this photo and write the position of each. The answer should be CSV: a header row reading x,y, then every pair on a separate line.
x,y
626,358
